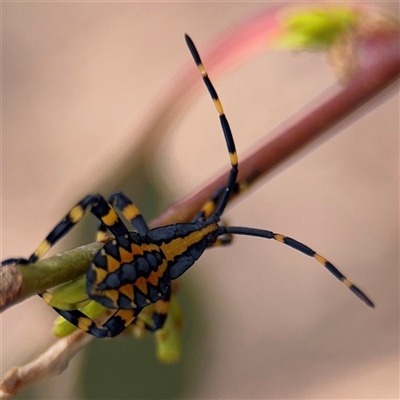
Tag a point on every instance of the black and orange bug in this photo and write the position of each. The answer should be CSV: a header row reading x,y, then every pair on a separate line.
x,y
135,269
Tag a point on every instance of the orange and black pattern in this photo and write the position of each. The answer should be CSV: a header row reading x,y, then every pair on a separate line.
x,y
135,268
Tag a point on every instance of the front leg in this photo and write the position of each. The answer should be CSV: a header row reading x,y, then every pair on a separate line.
x,y
97,205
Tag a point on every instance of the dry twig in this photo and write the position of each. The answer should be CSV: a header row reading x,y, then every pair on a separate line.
x,y
52,362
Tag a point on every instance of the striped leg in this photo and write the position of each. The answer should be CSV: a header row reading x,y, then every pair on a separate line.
x,y
225,128
112,327
158,316
98,206
210,205
130,212
236,230
209,208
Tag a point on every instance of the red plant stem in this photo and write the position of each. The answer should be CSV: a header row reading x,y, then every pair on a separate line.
x,y
301,129
235,45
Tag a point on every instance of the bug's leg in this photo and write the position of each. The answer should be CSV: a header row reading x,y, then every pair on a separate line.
x,y
159,314
219,209
130,211
99,207
119,321
209,208
14,261
224,239
210,205
112,327
262,233
102,232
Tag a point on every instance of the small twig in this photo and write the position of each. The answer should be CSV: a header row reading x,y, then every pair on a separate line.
x,y
52,362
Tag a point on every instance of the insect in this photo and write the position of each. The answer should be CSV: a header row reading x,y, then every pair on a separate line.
x,y
136,268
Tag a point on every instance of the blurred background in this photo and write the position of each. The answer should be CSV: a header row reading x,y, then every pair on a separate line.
x,y
260,320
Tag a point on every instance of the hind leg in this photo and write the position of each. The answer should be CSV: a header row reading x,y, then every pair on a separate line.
x,y
158,316
112,327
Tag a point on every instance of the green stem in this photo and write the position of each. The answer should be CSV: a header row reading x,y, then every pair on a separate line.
x,y
17,282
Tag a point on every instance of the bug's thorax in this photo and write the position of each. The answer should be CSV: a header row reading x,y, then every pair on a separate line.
x,y
180,245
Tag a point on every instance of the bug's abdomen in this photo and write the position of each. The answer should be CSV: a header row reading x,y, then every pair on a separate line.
x,y
128,279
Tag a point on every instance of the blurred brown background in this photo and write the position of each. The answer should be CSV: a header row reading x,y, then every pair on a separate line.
x,y
78,80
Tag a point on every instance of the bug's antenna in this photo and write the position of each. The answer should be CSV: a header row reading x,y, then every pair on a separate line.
x,y
262,233
225,128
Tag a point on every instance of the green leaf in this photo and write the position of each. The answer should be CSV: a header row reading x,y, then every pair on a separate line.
x,y
63,328
168,339
316,28
71,295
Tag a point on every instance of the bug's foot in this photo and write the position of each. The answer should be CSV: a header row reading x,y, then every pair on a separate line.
x,y
9,261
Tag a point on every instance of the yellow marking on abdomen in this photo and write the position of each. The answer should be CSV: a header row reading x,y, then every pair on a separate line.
x,y
76,214
141,283
153,278
112,263
101,274
111,294
127,290
126,256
